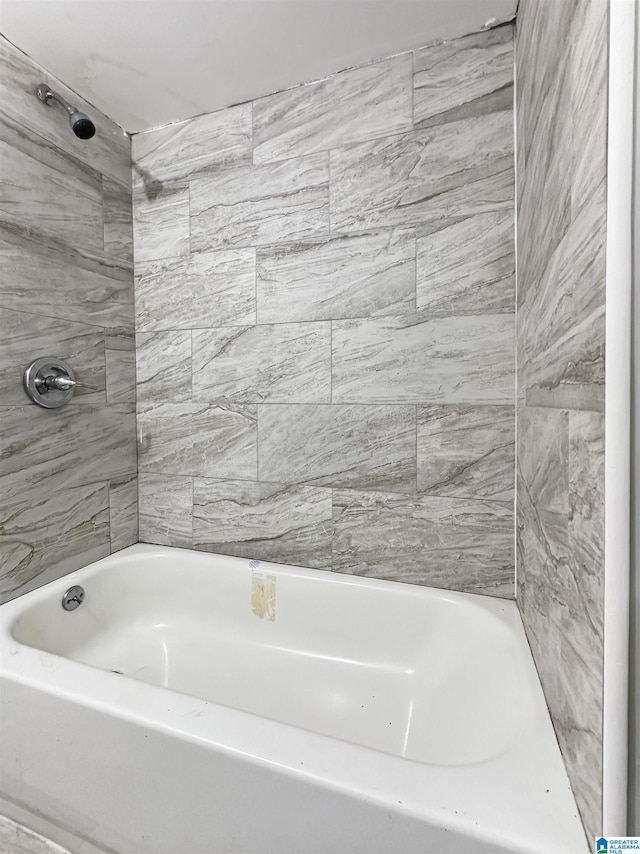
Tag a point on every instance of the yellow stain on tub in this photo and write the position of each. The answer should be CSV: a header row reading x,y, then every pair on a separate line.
x,y
263,596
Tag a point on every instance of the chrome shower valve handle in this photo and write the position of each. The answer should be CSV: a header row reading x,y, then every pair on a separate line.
x,y
49,382
63,382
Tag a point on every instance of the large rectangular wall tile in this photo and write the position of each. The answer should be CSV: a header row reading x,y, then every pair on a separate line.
x,y
31,200
120,358
70,446
163,367
367,447
27,336
441,174
412,359
202,144
190,439
118,220
464,77
123,512
197,291
459,544
267,521
467,452
279,362
589,99
161,222
355,105
561,539
79,288
43,527
562,320
468,267
166,510
544,172
349,276
254,205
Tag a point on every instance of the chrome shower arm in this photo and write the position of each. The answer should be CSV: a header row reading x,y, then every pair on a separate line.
x,y
48,95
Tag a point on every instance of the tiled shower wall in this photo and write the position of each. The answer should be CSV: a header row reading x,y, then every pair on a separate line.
x,y
561,60
325,322
67,476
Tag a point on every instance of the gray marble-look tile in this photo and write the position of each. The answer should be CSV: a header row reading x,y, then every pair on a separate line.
x,y
586,509
48,202
253,205
585,595
413,359
277,363
57,162
163,367
355,105
434,176
459,544
543,489
42,526
467,452
120,358
161,222
350,276
71,446
192,439
544,173
561,54
17,839
58,568
468,267
109,152
86,290
26,337
266,521
589,99
202,144
165,510
365,447
543,40
123,513
561,322
118,220
197,291
560,545
464,77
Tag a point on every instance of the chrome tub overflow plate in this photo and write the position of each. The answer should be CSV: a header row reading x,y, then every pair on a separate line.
x,y
49,382
73,598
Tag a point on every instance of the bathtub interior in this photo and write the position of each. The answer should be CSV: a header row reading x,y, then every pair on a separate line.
x,y
429,675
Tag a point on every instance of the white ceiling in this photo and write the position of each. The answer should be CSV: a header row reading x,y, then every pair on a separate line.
x,y
149,62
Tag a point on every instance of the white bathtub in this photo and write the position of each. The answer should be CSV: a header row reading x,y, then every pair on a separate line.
x,y
198,704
